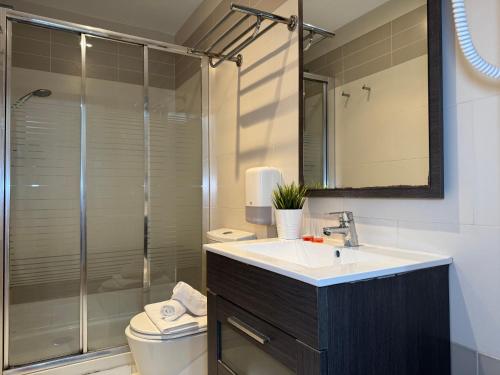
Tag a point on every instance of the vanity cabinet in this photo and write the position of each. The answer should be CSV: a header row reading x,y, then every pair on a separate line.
x,y
261,322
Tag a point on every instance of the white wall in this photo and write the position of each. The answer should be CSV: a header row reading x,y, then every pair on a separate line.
x,y
253,120
466,224
381,137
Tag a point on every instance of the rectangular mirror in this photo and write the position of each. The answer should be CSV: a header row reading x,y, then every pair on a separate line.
x,y
372,98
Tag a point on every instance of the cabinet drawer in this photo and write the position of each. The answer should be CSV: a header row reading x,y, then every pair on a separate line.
x,y
289,304
245,341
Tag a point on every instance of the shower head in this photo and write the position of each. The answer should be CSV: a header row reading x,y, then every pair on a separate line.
x,y
42,93
39,93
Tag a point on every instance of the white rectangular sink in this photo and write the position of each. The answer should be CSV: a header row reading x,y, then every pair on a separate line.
x,y
323,264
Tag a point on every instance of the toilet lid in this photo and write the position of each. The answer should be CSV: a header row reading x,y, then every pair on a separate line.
x,y
141,326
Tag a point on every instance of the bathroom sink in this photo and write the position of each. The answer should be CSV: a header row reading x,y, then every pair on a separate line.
x,y
323,264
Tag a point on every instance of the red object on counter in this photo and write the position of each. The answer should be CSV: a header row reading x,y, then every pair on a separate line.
x,y
318,239
308,238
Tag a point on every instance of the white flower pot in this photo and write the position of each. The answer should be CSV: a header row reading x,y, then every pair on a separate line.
x,y
289,224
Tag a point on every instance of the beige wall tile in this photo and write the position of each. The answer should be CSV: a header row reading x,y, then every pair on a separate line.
x,y
130,63
409,52
334,55
368,68
102,72
369,53
27,45
162,82
65,37
66,52
161,68
66,67
364,41
32,32
129,76
162,56
413,18
409,36
131,50
28,61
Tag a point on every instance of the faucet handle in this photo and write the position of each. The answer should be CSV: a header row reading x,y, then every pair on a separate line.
x,y
344,216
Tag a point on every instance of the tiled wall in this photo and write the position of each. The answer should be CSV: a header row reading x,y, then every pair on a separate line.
x,y
393,43
466,223
59,52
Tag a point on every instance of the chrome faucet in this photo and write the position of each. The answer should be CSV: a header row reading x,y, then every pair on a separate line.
x,y
346,227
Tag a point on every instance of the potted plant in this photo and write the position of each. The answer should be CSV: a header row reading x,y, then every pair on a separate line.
x,y
288,201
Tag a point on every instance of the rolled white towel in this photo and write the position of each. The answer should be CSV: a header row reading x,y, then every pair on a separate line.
x,y
194,301
185,323
172,310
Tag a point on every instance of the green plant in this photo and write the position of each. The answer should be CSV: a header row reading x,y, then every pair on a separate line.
x,y
289,197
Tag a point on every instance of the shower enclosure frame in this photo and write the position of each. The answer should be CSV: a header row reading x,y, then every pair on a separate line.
x,y
328,147
7,16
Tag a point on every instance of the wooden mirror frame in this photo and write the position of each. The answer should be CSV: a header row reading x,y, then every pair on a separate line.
x,y
435,187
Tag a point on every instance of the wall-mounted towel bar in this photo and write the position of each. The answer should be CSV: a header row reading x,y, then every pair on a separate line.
x,y
231,51
312,32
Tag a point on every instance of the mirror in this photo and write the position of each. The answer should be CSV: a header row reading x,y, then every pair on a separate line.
x,y
371,110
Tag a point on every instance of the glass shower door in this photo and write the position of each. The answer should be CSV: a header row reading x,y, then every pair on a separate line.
x,y
44,263
116,170
106,193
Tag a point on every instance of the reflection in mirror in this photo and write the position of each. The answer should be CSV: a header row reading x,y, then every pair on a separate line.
x,y
366,121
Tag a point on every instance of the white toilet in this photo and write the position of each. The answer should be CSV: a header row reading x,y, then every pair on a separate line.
x,y
155,354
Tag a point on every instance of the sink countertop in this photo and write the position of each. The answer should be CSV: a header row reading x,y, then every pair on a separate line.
x,y
328,263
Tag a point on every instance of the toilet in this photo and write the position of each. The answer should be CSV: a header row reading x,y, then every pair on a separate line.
x,y
183,354
154,353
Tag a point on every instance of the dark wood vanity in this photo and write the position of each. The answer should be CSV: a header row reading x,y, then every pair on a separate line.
x,y
260,322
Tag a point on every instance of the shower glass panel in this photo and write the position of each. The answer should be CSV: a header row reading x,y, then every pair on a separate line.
x,y
106,188
175,220
44,267
116,171
315,123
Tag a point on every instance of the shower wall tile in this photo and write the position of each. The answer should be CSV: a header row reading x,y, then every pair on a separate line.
x,y
28,61
32,32
108,73
32,46
66,67
396,42
59,52
66,52
130,63
130,76
162,82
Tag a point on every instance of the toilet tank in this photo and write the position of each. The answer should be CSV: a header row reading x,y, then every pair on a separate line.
x,y
229,235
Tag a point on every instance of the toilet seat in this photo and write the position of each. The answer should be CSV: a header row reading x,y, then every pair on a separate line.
x,y
142,327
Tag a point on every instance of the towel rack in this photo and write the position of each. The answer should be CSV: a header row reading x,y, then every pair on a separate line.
x,y
313,31
231,51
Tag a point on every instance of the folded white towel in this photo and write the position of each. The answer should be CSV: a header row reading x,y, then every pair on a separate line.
x,y
184,323
194,301
172,310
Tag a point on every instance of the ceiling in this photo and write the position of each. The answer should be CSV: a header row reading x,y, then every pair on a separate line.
x,y
333,14
165,16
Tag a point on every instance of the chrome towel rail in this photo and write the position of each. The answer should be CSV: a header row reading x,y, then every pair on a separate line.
x,y
313,31
231,51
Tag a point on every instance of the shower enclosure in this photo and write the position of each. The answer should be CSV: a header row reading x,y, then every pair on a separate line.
x,y
104,185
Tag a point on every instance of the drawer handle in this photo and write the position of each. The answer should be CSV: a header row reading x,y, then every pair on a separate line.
x,y
245,328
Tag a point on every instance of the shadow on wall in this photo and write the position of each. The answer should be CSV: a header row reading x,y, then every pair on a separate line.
x,y
264,114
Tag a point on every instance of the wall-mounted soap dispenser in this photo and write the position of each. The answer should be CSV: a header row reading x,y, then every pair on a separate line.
x,y
259,185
